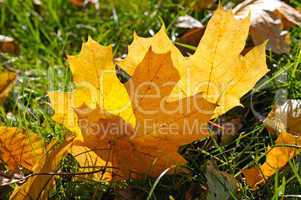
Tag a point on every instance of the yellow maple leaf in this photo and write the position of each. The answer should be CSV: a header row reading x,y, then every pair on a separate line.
x,y
149,89
160,43
90,68
63,104
30,148
90,163
162,127
146,120
6,83
130,156
216,68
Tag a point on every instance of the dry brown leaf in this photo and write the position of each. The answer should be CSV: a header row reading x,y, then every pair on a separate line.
x,y
188,22
30,148
270,20
194,30
82,3
192,37
7,80
9,45
285,118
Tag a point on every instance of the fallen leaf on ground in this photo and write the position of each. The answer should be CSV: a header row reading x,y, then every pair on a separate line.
x,y
270,20
82,3
30,148
285,120
147,150
286,147
92,67
90,162
221,185
188,22
7,80
144,121
193,31
150,148
39,185
9,45
216,68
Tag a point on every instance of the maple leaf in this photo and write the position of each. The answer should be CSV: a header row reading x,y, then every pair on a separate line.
x,y
142,120
30,148
148,143
149,89
144,154
6,83
160,43
90,163
216,68
285,120
39,185
270,19
90,68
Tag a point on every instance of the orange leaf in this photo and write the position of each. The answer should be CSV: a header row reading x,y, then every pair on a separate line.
x,y
270,20
30,148
39,185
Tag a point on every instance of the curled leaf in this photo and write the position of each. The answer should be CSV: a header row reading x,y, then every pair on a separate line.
x,y
270,20
285,118
9,45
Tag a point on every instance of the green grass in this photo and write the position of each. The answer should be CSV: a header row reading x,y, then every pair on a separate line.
x,y
48,33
